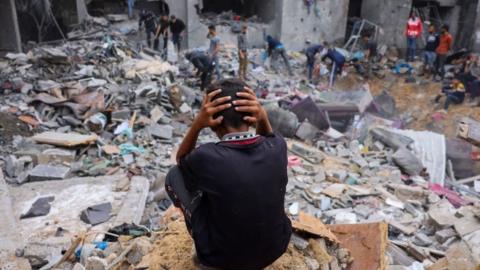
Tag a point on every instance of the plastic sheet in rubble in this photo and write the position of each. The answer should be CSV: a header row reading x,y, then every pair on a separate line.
x,y
430,147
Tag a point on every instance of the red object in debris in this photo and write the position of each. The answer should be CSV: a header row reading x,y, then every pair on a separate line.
x,y
475,155
438,116
453,197
237,18
293,161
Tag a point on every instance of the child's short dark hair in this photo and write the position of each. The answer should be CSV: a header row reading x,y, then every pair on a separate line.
x,y
230,87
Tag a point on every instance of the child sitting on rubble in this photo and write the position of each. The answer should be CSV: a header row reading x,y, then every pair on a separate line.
x,y
232,192
453,93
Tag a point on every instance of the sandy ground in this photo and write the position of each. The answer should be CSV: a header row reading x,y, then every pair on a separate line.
x,y
173,251
417,100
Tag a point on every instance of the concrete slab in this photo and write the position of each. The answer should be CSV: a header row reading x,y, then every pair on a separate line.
x,y
71,197
9,237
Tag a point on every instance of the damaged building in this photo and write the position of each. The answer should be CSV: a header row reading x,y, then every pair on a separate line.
x,y
293,22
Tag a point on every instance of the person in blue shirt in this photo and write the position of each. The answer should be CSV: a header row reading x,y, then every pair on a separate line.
x,y
454,93
338,61
275,50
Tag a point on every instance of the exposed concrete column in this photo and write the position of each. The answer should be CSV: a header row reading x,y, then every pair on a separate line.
x,y
82,11
10,34
392,16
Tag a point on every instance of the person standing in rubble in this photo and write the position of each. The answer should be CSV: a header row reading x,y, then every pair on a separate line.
x,y
338,61
433,39
311,52
232,192
130,4
162,30
148,19
413,31
242,53
177,27
214,49
276,50
444,46
202,62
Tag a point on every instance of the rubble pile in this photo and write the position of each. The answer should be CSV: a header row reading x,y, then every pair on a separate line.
x,y
92,126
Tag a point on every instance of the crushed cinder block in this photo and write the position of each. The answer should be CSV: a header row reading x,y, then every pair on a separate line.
x,y
445,234
48,172
161,131
56,155
422,240
121,115
96,263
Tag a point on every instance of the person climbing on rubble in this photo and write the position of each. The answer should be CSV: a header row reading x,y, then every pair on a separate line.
x,y
338,60
203,63
311,52
413,31
275,50
148,19
433,39
232,192
162,30
444,46
177,27
453,93
242,53
214,49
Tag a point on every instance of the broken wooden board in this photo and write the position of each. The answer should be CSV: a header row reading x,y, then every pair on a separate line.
x,y
313,225
64,139
366,242
469,130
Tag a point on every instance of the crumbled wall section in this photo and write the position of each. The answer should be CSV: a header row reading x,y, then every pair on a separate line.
x,y
10,34
327,21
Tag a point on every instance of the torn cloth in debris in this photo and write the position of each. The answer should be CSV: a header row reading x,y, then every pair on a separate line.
x,y
83,105
430,148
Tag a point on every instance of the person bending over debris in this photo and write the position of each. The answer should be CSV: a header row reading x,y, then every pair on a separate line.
x,y
148,19
204,65
338,61
275,50
232,192
177,27
162,30
454,93
310,53
470,77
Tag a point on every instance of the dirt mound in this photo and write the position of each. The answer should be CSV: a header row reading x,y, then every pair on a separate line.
x,y
173,251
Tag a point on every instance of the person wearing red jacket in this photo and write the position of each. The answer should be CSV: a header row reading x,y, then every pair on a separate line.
x,y
413,31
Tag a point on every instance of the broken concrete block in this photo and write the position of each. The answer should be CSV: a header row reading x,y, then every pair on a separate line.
x,y
142,247
96,263
299,242
356,237
444,235
469,130
47,172
307,131
64,139
15,166
121,115
408,162
312,264
345,218
78,266
56,155
443,213
161,131
422,240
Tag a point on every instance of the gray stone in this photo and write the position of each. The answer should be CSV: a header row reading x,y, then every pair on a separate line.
x,y
96,263
444,235
15,166
299,242
78,266
141,248
56,155
128,159
47,172
378,146
363,210
161,131
312,264
306,131
422,239
121,115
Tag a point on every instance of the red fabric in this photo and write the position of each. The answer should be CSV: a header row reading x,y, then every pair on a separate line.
x,y
445,44
414,28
